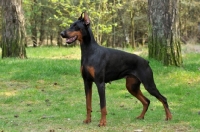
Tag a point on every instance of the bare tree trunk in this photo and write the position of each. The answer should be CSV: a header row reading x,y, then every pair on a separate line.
x,y
13,29
164,37
113,28
33,22
132,34
59,39
42,23
0,21
125,35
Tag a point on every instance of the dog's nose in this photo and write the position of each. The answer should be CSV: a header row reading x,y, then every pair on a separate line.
x,y
62,34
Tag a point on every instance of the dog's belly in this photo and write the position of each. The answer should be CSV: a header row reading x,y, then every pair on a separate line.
x,y
111,76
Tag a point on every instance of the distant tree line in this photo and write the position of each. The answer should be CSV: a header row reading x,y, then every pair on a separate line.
x,y
116,23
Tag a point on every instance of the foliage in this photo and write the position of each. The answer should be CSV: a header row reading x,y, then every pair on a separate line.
x,y
114,22
109,18
45,93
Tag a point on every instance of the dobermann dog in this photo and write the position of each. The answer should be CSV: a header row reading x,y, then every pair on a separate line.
x,y
102,65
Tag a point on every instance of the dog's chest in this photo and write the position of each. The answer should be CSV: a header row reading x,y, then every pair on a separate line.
x,y
87,72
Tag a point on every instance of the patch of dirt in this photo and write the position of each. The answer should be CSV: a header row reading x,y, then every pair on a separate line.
x,y
191,48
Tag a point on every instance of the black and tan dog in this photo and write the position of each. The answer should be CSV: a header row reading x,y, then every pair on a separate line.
x,y
101,65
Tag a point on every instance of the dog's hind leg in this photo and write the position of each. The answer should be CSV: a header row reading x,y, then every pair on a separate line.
x,y
133,86
153,91
150,86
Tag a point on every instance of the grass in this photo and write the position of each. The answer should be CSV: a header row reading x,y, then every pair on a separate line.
x,y
45,93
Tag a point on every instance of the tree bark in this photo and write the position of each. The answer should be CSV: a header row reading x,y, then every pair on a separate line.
x,y
132,34
125,35
33,22
113,28
42,22
59,39
13,29
0,22
164,36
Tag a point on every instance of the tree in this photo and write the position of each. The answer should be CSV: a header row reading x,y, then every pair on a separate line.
x,y
0,23
33,22
42,22
13,30
164,34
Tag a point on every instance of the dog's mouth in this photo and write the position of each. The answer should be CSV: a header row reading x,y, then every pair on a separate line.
x,y
71,40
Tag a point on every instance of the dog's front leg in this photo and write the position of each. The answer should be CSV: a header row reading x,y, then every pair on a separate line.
x,y
88,94
101,91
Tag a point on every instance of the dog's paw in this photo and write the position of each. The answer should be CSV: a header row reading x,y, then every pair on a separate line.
x,y
102,123
87,121
168,118
140,117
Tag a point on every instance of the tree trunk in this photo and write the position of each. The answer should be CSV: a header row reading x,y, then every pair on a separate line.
x,y
132,34
164,35
125,35
13,30
42,22
0,22
113,27
33,22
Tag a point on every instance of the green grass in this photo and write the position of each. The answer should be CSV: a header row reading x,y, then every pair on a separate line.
x,y
45,92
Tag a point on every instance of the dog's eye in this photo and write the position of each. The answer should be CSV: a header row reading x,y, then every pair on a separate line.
x,y
72,25
75,26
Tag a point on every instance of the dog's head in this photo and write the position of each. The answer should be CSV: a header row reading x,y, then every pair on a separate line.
x,y
77,30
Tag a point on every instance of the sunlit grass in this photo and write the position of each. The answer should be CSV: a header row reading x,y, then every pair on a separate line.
x,y
55,53
45,92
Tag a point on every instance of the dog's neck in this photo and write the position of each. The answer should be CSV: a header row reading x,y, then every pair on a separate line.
x,y
88,38
88,44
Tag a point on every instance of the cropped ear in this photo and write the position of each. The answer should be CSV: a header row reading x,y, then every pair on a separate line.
x,y
86,19
81,17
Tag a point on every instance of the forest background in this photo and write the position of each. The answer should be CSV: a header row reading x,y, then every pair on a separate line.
x,y
115,23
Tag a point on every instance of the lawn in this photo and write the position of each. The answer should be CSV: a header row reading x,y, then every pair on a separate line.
x,y
45,93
